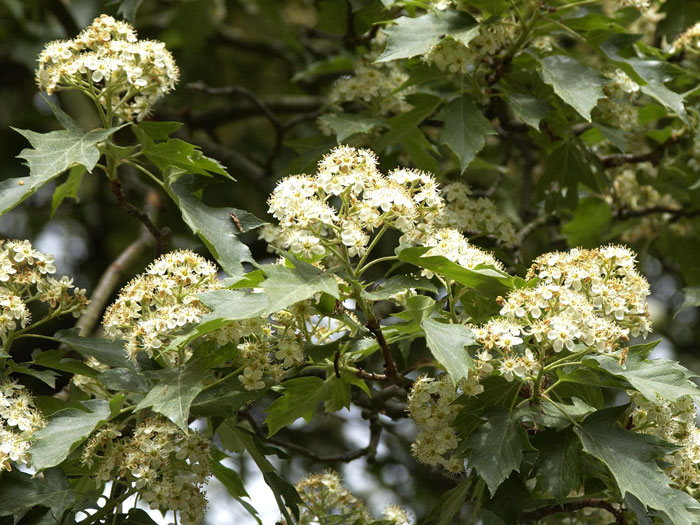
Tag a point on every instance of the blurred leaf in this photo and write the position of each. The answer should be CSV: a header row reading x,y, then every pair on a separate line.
x,y
591,219
691,298
66,430
450,503
680,15
230,479
448,343
465,129
127,8
576,84
225,399
632,459
20,491
345,125
409,37
531,110
399,284
216,227
402,125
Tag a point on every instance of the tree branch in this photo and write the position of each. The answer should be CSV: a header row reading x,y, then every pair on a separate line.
x,y
370,450
653,210
161,235
535,515
653,156
114,275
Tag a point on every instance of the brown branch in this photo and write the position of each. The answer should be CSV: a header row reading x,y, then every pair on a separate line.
x,y
653,156
370,450
114,275
535,515
653,210
161,235
237,38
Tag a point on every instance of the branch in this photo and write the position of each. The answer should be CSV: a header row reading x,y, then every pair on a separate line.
x,y
654,156
389,366
370,450
676,213
236,38
535,515
161,235
114,275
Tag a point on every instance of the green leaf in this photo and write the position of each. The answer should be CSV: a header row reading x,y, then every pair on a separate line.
x,y
300,398
591,218
399,284
216,227
175,391
230,479
177,153
576,84
224,399
448,344
345,125
450,503
691,298
652,75
680,15
67,189
124,380
286,285
632,460
20,491
559,467
50,155
419,307
409,37
127,8
497,448
569,165
465,128
46,376
107,352
531,110
285,494
54,359
666,379
66,430
486,280
405,124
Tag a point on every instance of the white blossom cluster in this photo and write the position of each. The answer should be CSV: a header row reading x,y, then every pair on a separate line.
x,y
618,108
452,55
336,211
107,62
327,500
432,408
373,84
474,215
26,276
689,39
168,467
642,5
19,420
155,305
673,422
585,300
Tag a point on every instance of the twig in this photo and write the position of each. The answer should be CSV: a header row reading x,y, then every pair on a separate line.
x,y
533,225
654,156
653,210
370,450
535,515
161,235
114,274
389,366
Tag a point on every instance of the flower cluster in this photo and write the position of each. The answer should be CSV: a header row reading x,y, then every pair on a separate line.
x,y
690,39
432,408
452,55
474,215
168,467
585,300
326,500
618,108
19,420
335,210
374,85
126,76
25,276
672,421
155,305
452,245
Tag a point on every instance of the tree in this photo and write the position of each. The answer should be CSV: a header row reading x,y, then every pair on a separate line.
x,y
463,199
